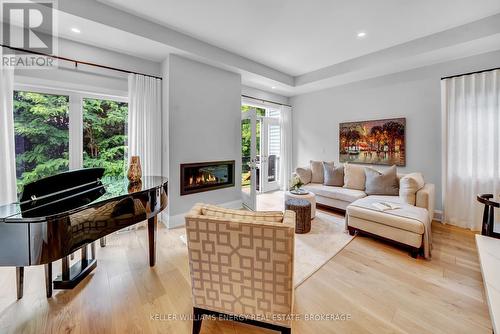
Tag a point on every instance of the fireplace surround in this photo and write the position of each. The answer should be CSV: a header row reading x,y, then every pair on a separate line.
x,y
205,176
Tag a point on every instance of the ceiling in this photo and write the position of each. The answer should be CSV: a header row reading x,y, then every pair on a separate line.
x,y
288,47
297,36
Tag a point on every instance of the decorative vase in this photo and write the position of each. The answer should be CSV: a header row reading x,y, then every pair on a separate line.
x,y
134,170
134,187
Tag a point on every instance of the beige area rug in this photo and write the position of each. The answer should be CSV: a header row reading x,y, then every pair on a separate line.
x,y
314,249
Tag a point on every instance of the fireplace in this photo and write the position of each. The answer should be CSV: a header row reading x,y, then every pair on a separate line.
x,y
205,176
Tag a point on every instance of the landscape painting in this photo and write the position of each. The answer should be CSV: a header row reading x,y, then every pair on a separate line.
x,y
380,142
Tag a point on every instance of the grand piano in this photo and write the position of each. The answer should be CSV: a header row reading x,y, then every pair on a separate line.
x,y
71,211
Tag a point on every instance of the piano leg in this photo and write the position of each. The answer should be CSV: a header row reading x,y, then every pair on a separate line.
x,y
65,268
84,253
48,279
103,241
152,229
20,281
92,250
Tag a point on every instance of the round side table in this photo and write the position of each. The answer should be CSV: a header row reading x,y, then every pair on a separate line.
x,y
310,197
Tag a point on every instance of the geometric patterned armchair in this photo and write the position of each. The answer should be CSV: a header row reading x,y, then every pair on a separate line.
x,y
241,265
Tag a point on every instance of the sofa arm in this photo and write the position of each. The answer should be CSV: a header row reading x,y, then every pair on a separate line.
x,y
426,198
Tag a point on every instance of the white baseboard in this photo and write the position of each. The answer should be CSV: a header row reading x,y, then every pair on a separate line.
x,y
438,215
178,220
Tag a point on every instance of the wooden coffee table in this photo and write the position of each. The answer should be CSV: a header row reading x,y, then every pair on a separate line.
x,y
302,209
310,197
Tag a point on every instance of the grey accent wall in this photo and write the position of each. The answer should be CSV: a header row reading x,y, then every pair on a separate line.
x,y
204,125
414,94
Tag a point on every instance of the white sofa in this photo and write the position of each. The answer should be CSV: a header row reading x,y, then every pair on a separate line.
x,y
408,225
340,197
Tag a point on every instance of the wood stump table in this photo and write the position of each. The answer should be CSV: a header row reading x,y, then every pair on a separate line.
x,y
302,209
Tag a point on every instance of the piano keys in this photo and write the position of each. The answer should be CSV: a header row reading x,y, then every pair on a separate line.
x,y
70,211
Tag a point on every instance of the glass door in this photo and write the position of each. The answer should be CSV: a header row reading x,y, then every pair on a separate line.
x,y
270,154
249,163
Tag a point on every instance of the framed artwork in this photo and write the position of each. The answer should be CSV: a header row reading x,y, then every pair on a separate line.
x,y
379,142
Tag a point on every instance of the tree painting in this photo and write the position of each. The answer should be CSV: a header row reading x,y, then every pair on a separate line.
x,y
379,142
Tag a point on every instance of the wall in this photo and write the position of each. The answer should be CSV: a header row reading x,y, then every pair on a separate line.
x,y
204,125
88,78
412,94
260,94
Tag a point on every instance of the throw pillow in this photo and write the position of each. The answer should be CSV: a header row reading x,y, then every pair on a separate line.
x,y
381,183
354,177
317,171
304,173
333,176
408,187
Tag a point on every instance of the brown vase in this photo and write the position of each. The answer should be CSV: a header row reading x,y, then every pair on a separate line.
x,y
134,170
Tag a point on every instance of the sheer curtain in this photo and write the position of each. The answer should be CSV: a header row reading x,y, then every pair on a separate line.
x,y
471,145
8,193
144,122
286,146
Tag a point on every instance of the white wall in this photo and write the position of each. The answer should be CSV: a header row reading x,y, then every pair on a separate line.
x,y
204,125
412,94
88,78
260,94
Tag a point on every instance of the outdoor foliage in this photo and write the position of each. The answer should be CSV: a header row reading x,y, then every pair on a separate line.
x,y
41,123
41,135
246,136
104,135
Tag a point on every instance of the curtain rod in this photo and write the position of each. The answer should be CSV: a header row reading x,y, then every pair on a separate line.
x,y
78,61
268,101
476,72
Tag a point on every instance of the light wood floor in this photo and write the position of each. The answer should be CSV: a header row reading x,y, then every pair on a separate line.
x,y
380,287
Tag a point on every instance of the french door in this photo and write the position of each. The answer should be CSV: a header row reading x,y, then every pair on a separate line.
x,y
260,141
249,182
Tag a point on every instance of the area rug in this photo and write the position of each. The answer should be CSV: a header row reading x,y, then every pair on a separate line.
x,y
314,249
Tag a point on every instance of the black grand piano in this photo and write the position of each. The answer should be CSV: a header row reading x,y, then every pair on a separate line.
x,y
70,211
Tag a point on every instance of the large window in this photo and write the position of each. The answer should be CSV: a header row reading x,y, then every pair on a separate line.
x,y
56,131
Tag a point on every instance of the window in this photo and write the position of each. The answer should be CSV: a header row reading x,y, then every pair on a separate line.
x,y
41,125
56,131
105,135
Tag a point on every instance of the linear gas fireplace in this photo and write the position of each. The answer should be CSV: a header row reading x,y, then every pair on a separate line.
x,y
205,176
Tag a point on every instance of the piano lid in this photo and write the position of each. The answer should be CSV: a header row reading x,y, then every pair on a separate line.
x,y
71,191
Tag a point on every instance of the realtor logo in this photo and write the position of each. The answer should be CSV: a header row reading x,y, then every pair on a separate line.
x,y
28,26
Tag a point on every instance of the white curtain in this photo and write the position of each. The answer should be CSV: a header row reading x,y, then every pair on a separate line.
x,y
286,146
144,122
8,193
471,145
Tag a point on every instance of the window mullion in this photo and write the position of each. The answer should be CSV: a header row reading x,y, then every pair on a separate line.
x,y
75,131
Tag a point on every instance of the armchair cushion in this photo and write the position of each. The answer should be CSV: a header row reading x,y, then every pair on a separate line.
x,y
260,216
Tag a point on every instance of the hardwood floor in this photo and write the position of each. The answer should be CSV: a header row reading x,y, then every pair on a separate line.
x,y
380,287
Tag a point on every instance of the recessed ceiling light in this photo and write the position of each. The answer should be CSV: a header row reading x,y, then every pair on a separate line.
x,y
361,34
75,30
273,87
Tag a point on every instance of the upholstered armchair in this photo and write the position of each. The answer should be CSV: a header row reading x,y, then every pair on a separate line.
x,y
241,266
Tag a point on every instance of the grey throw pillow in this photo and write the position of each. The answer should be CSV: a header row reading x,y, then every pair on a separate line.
x,y
333,176
385,183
